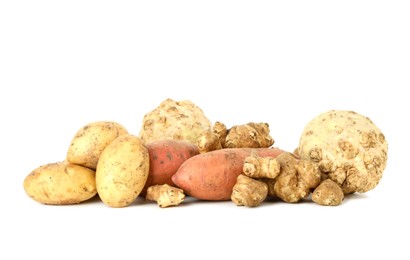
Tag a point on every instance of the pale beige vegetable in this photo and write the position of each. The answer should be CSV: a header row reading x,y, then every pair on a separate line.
x,y
177,120
328,193
348,147
122,171
60,183
249,192
165,195
89,142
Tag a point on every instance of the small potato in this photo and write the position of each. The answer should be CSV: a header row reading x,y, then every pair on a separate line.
x,y
60,183
122,171
89,142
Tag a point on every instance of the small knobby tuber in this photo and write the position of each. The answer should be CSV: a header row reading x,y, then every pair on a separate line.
x,y
287,176
176,120
261,167
249,192
296,178
348,147
220,130
212,140
328,193
165,195
251,135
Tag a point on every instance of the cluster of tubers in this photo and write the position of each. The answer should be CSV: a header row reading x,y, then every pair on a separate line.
x,y
179,153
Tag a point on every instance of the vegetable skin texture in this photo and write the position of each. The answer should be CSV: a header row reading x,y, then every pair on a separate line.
x,y
122,171
251,135
328,193
90,141
348,147
249,192
165,195
60,183
211,176
176,120
165,158
296,178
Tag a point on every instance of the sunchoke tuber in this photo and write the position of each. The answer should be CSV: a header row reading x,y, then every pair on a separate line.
x,y
328,193
165,195
261,167
249,192
251,135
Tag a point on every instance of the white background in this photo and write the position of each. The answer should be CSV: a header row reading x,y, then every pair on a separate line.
x,y
64,64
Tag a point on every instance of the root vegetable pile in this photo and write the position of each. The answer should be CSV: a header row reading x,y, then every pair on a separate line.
x,y
179,153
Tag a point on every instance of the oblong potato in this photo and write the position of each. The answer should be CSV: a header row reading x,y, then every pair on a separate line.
x,y
89,142
122,171
60,183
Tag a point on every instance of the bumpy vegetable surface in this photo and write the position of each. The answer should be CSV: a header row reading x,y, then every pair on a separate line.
x,y
177,120
348,147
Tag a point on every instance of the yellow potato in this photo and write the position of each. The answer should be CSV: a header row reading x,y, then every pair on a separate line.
x,y
122,171
89,142
60,183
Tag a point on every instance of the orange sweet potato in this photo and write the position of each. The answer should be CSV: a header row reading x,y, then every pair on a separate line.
x,y
212,175
165,158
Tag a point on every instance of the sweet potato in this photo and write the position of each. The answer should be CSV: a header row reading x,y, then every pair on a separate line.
x,y
165,158
212,175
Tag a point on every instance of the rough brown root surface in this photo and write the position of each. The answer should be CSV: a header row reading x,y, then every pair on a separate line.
x,y
328,193
348,148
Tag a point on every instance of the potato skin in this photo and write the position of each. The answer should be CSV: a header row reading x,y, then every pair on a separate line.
x,y
165,158
212,175
89,142
60,183
122,171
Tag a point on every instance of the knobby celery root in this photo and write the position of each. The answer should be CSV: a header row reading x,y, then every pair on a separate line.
x,y
176,120
249,192
348,147
165,195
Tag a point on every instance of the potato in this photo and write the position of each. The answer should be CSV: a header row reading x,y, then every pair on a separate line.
x,y
60,183
89,142
212,175
122,171
165,157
